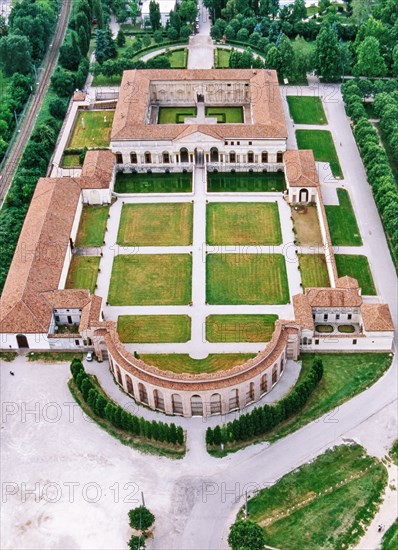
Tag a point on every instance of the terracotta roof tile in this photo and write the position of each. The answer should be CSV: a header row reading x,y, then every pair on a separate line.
x,y
300,169
377,318
97,169
347,282
333,297
303,311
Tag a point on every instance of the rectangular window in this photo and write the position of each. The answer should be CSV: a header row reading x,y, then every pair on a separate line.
x,y
232,143
354,341
325,317
77,342
337,316
250,143
225,142
316,342
238,143
349,316
57,318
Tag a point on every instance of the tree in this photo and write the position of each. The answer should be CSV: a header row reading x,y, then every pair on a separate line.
x,y
136,543
188,10
370,61
57,109
298,12
63,82
395,61
269,7
246,534
134,12
327,54
120,38
15,54
69,53
154,15
361,10
3,26
209,436
303,62
172,34
158,37
286,57
242,35
141,518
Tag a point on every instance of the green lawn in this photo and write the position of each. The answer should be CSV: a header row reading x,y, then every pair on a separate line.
x,y
162,224
154,328
154,183
70,160
83,272
245,182
390,539
96,132
221,58
240,328
306,110
54,356
181,362
314,271
343,486
227,115
243,223
306,226
321,142
342,223
359,268
178,58
152,279
8,356
246,279
175,115
92,226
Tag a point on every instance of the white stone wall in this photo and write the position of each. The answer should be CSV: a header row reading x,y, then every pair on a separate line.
x,y
35,341
346,344
97,196
68,254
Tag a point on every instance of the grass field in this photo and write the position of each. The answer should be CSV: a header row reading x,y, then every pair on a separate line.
x,y
175,115
153,279
343,487
240,328
96,132
306,110
154,183
245,182
7,356
227,115
313,269
306,225
181,362
390,539
92,226
342,223
359,268
221,58
163,224
246,279
321,142
154,328
54,356
178,58
70,160
83,272
243,223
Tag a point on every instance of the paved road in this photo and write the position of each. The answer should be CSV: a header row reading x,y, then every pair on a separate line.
x,y
12,162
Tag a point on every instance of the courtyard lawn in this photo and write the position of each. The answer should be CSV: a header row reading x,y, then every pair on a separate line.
x,y
390,539
324,504
154,328
163,224
151,279
54,356
306,225
221,58
226,115
342,223
178,58
313,270
245,182
183,363
246,279
306,110
240,328
154,183
243,223
83,272
357,267
92,226
96,132
321,142
175,115
70,160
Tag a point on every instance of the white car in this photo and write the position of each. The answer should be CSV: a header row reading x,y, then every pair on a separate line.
x,y
89,356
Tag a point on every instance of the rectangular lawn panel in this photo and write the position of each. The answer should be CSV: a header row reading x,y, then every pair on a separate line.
x,y
245,182
313,269
83,272
226,115
221,58
163,224
183,363
306,110
341,488
92,226
178,58
246,279
359,268
175,115
96,132
240,328
154,183
342,222
243,223
154,328
306,225
321,142
151,279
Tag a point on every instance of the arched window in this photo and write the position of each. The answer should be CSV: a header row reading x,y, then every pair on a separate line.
x,y
119,158
264,384
282,364
214,154
233,400
264,156
274,374
176,403
232,156
184,157
119,376
196,405
250,393
143,394
250,156
279,156
130,387
166,157
159,400
148,157
215,403
303,196
133,158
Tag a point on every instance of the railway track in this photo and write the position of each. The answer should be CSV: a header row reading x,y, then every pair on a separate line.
x,y
17,150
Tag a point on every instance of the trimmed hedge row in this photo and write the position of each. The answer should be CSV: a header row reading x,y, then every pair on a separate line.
x,y
119,417
263,419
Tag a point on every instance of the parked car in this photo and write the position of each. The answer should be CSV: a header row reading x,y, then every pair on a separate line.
x,y
90,356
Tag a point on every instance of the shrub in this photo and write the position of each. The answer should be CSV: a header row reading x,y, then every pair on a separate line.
x,y
141,518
